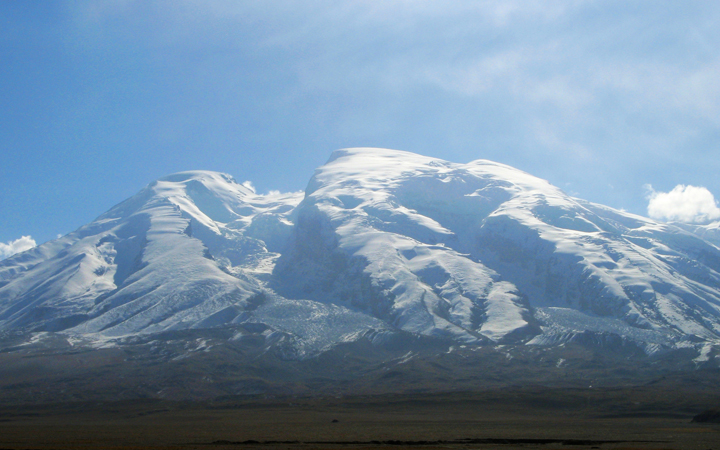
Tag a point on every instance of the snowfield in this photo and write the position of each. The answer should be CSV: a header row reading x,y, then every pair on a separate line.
x,y
381,241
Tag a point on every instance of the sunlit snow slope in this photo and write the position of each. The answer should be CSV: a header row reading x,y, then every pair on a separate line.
x,y
381,240
179,254
483,251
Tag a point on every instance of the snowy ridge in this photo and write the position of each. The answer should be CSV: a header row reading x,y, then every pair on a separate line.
x,y
359,208
138,268
381,241
470,250
710,232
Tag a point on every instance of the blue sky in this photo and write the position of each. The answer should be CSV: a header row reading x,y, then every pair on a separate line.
x,y
99,98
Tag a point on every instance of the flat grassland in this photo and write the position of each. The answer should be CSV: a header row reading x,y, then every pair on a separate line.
x,y
644,417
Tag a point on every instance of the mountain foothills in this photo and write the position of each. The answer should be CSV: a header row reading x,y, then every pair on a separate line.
x,y
387,254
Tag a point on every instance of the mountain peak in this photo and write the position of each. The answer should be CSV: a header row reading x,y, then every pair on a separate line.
x,y
180,177
384,241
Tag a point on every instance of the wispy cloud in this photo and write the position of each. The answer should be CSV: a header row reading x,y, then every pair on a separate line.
x,y
567,54
16,246
574,91
689,204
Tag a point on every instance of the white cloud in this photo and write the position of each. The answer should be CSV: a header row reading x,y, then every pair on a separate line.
x,y
570,90
248,184
16,246
691,204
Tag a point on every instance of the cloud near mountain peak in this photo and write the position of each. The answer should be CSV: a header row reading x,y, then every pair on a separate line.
x,y
16,246
689,204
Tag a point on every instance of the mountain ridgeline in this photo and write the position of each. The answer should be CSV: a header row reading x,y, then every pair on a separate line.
x,y
385,250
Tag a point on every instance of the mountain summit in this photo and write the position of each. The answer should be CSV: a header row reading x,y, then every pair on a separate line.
x,y
381,244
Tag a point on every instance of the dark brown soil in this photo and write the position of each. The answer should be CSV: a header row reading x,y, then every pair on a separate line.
x,y
521,418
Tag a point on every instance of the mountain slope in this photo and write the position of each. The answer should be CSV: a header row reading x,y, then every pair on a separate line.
x,y
359,242
382,245
482,250
145,265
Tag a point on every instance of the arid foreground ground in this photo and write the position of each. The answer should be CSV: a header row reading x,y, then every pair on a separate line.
x,y
646,417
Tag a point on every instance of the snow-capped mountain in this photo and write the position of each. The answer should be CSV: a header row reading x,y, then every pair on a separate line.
x,y
484,251
162,259
382,242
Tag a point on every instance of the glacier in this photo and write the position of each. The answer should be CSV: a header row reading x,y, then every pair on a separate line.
x,y
381,243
